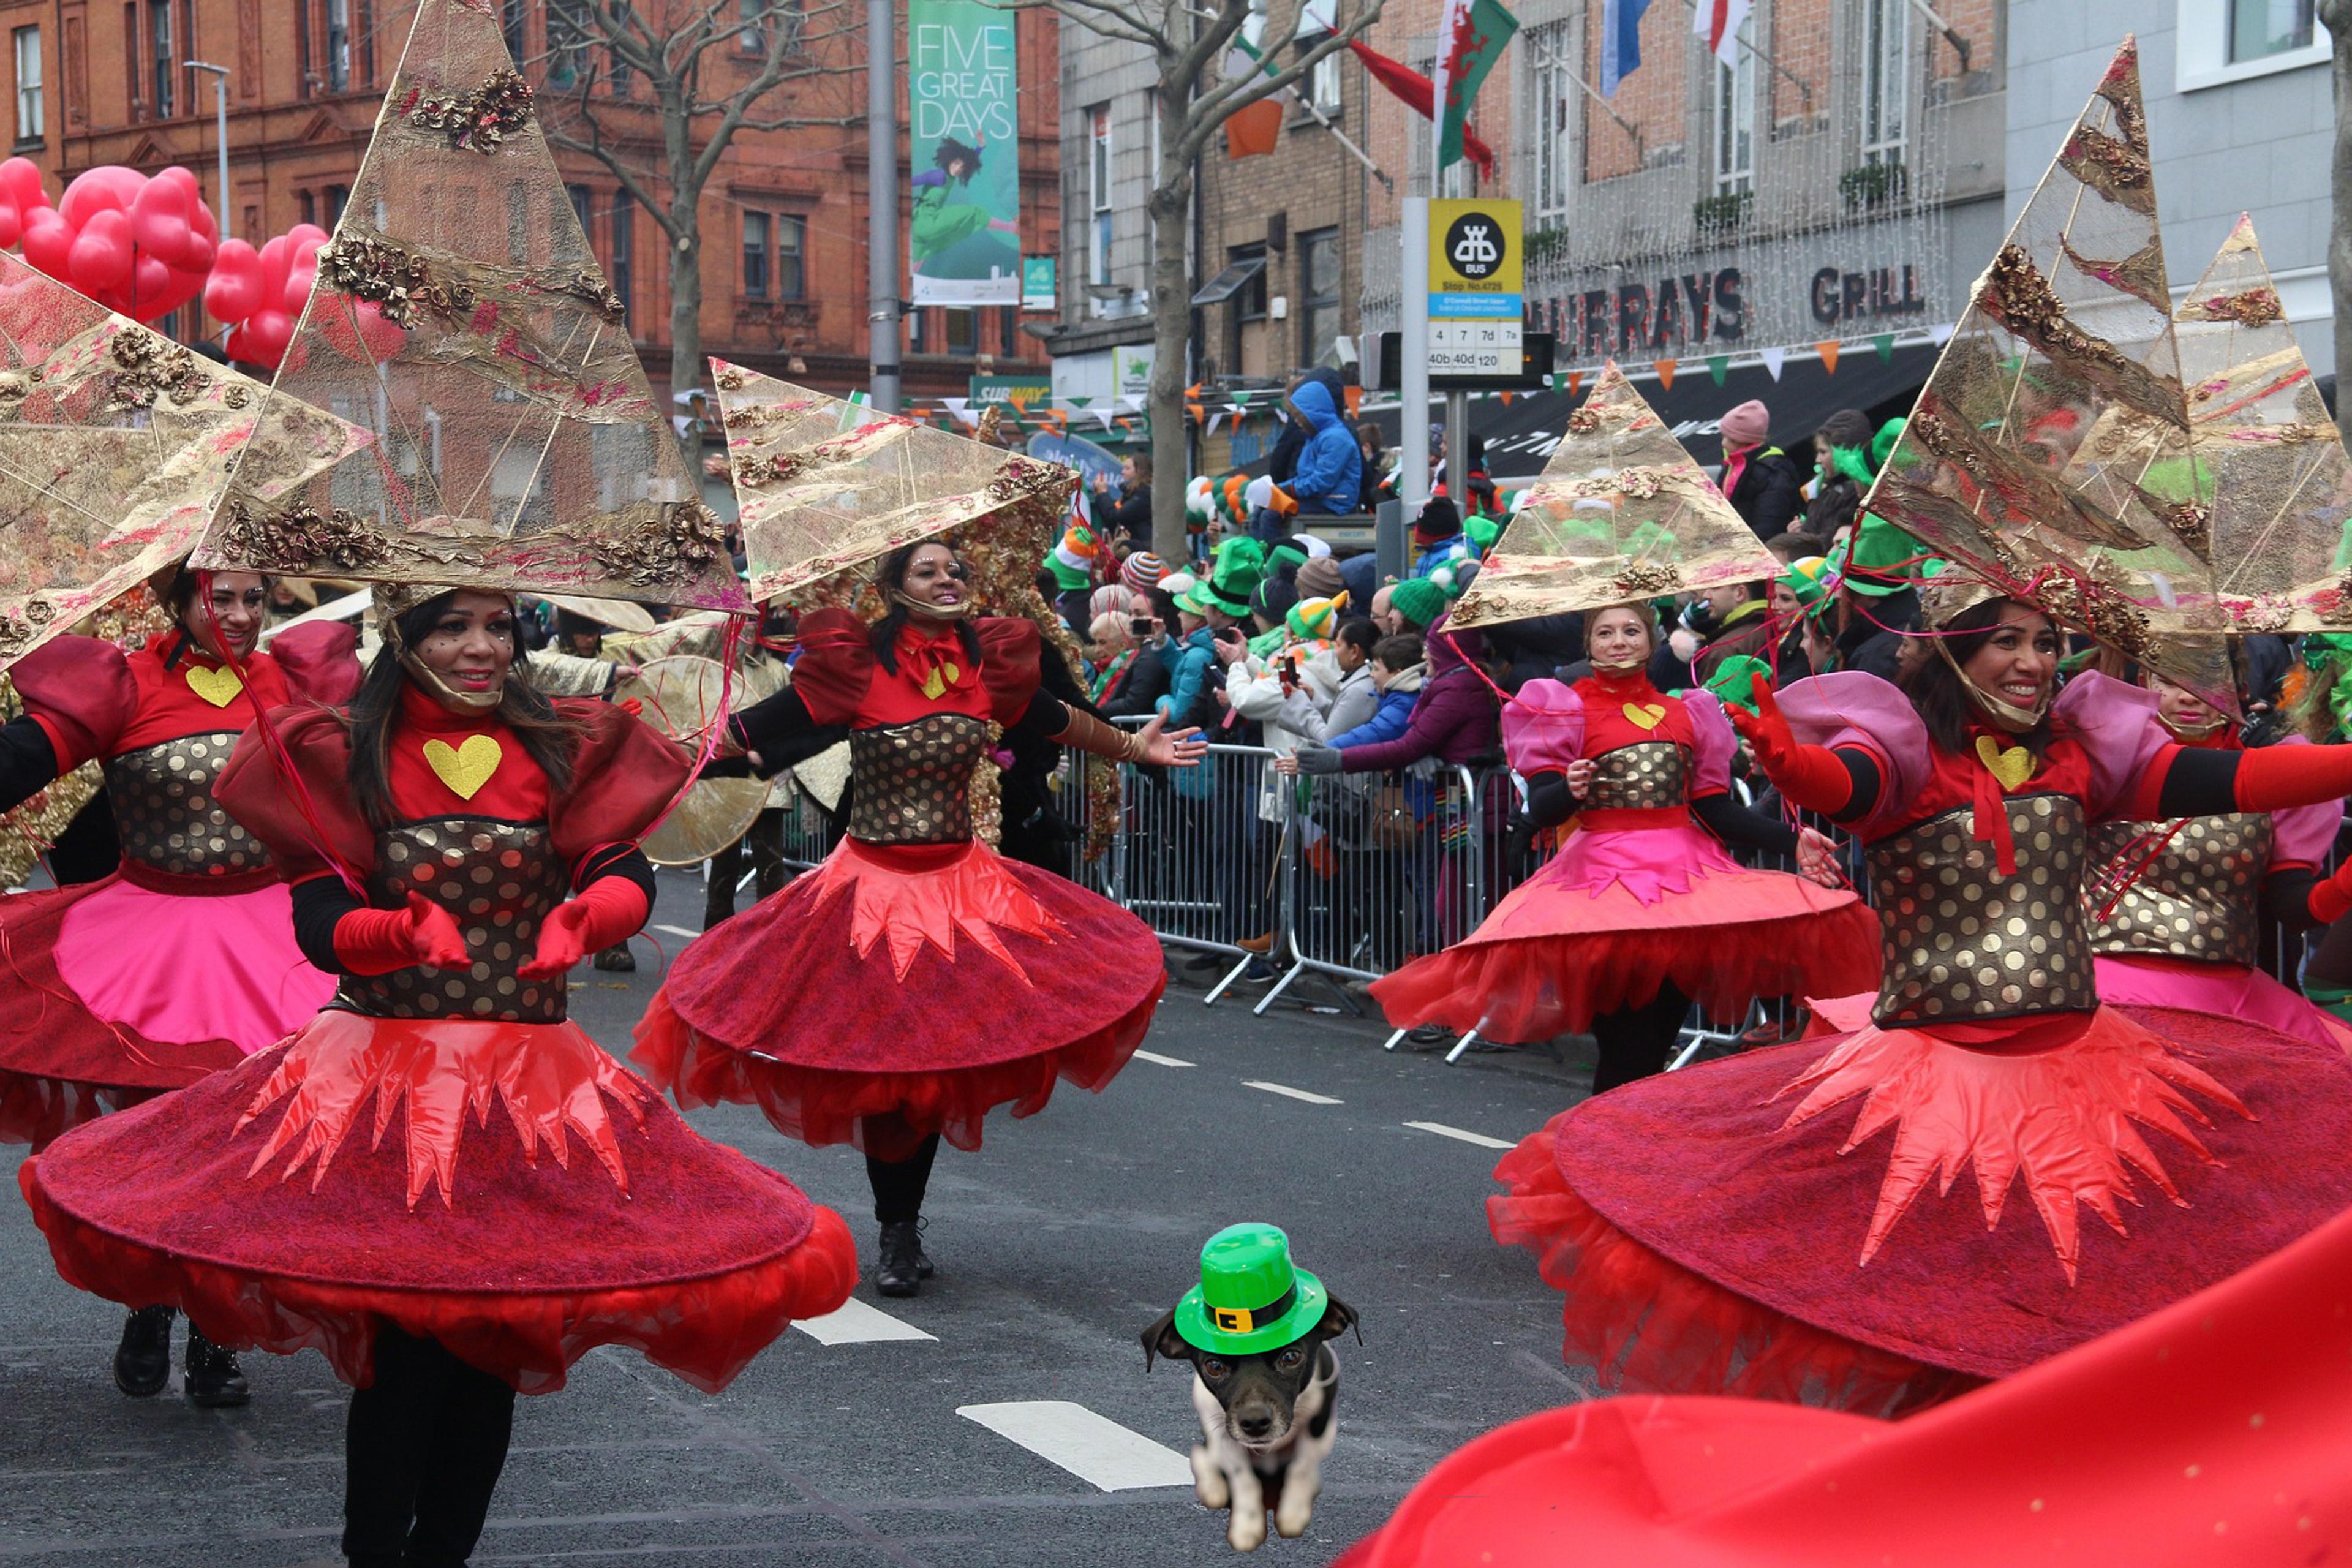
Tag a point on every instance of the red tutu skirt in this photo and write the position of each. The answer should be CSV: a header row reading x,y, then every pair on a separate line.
x,y
113,992
1617,914
1747,1228
920,985
505,1189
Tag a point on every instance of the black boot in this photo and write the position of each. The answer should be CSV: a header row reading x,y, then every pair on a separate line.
x,y
212,1378
902,1267
618,959
142,1362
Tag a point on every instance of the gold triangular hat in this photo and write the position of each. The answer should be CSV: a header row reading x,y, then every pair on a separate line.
x,y
2049,451
116,444
1622,512
460,316
824,487
2269,462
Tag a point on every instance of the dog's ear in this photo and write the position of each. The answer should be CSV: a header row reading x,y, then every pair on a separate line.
x,y
1162,1340
1336,1320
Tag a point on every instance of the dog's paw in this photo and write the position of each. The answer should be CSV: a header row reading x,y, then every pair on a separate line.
x,y
1290,1520
1209,1483
1246,1532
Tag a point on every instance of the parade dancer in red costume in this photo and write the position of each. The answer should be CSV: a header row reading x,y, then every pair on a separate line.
x,y
1729,1230
917,979
441,1183
1640,912
101,1016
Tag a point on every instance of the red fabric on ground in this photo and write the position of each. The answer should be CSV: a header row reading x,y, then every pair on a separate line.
x,y
538,1254
780,1007
1697,1168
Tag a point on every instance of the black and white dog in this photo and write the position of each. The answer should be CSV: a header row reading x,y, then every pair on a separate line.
x,y
1268,1421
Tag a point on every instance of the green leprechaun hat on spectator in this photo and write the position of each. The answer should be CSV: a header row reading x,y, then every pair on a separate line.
x,y
1250,1297
1881,559
1234,575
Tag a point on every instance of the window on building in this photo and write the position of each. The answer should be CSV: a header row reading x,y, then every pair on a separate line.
x,y
963,333
1885,78
338,198
755,256
792,242
622,274
762,19
510,24
1322,84
623,74
338,46
1735,118
583,206
310,206
167,63
28,84
567,43
2261,28
1551,93
1248,304
1098,188
1319,289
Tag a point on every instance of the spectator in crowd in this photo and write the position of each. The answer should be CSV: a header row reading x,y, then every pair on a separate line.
x,y
1843,471
1352,699
1282,463
1723,623
1437,537
1294,657
1324,481
1537,648
1876,572
1758,479
1142,570
1454,717
1359,574
1399,669
1371,484
1073,564
1323,578
1135,690
1441,458
1189,656
1412,605
1796,599
1128,514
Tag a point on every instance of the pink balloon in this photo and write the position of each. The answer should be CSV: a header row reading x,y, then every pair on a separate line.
x,y
152,291
108,187
203,251
183,180
159,223
101,256
21,179
277,256
205,225
12,222
264,336
311,231
47,242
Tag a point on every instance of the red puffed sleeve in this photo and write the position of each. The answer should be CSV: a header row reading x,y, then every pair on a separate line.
x,y
321,661
82,692
624,775
254,789
836,665
1008,665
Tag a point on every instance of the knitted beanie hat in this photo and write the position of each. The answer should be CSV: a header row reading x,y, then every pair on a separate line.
x,y
1142,570
1419,600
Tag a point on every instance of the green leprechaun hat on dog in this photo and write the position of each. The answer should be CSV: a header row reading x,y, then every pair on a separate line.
x,y
1250,1297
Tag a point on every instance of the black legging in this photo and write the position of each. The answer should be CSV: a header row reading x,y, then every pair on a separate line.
x,y
899,1184
423,1449
1635,1041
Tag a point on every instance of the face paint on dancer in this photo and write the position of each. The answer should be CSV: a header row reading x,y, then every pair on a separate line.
x,y
228,624
463,660
934,584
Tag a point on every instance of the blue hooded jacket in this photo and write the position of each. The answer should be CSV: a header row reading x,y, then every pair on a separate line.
x,y
1330,470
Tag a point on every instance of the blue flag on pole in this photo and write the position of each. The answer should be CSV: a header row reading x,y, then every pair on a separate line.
x,y
1621,42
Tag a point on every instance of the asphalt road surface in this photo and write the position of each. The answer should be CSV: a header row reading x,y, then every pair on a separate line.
x,y
1056,1244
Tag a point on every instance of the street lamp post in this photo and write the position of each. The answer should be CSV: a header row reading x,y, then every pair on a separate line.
x,y
220,133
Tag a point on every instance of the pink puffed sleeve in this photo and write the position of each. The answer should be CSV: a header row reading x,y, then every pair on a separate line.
x,y
1543,727
2304,835
1712,743
1849,708
82,692
2118,726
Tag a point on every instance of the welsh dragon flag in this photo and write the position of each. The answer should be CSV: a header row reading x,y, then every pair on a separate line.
x,y
1470,41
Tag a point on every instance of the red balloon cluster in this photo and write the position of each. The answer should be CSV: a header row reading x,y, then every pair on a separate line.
x,y
260,293
136,244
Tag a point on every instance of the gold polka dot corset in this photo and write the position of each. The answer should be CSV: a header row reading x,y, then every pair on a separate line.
x,y
1961,940
498,880
164,813
911,784
1648,776
2193,897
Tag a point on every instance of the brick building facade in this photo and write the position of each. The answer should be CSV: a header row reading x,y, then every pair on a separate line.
x,y
784,219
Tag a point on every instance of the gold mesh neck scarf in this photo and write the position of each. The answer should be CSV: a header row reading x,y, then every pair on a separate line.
x,y
2269,464
824,487
2050,453
459,317
1622,513
116,444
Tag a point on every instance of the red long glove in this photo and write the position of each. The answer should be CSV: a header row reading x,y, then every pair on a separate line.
x,y
377,941
2271,778
1808,777
2330,900
609,909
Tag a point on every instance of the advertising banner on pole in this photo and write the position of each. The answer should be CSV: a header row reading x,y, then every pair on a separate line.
x,y
962,97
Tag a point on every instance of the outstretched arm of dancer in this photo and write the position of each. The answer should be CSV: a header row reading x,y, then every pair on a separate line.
x,y
1842,782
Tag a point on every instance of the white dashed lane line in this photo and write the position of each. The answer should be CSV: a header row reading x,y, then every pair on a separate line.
x,y
858,1324
1163,1061
677,931
1480,1139
1284,1089
1095,1448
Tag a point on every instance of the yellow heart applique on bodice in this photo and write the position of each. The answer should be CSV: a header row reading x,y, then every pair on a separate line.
x,y
937,682
1649,716
2012,767
217,687
464,768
